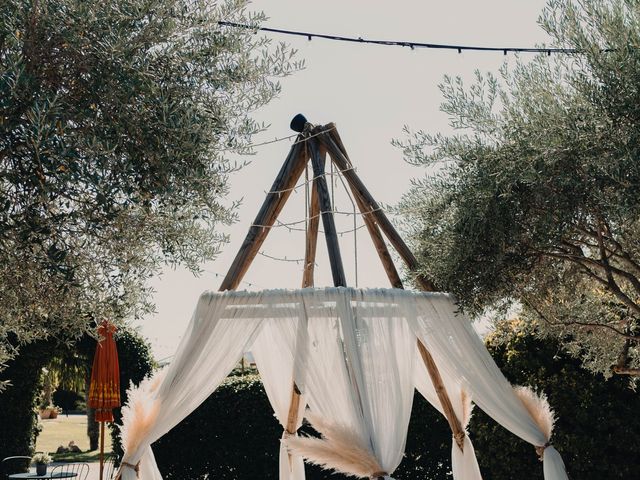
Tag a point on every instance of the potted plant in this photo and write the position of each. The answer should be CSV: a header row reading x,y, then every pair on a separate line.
x,y
49,411
41,460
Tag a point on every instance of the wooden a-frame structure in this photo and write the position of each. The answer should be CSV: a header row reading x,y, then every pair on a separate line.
x,y
313,144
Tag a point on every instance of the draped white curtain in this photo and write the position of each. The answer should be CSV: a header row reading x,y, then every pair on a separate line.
x,y
212,345
351,352
276,350
461,355
359,372
464,463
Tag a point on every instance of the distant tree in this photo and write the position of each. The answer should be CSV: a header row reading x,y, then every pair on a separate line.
x,y
117,120
597,427
535,201
68,366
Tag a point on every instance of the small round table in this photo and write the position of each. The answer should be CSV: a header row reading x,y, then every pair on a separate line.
x,y
46,475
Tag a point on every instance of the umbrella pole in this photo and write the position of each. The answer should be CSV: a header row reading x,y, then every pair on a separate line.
x,y
101,449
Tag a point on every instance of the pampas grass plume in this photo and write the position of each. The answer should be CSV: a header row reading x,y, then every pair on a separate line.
x,y
539,409
338,449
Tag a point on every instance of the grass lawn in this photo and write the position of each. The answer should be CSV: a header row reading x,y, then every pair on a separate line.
x,y
61,430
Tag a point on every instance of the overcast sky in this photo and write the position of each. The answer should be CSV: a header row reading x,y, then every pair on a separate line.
x,y
370,92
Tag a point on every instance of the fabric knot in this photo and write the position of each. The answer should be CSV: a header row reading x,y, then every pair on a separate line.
x,y
135,468
459,439
378,475
540,450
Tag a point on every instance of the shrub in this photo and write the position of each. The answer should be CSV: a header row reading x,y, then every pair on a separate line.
x,y
68,400
18,417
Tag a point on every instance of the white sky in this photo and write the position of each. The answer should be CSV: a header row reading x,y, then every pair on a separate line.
x,y
370,92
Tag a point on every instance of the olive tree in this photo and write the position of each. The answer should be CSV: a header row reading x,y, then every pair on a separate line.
x,y
534,200
118,120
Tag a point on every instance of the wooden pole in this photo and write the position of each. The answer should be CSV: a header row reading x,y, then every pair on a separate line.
x,y
311,240
443,396
294,407
364,198
271,208
360,190
330,232
101,450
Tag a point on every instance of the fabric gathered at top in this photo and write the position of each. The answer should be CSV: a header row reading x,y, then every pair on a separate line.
x,y
352,354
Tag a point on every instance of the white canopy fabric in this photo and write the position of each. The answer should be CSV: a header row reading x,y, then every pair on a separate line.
x,y
351,352
462,357
358,373
275,353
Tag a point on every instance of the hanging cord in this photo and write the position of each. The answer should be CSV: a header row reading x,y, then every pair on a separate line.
x,y
306,182
219,275
281,259
300,222
355,227
333,197
306,199
289,137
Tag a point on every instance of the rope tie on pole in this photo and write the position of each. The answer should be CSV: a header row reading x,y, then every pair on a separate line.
x,y
540,450
378,475
459,438
135,468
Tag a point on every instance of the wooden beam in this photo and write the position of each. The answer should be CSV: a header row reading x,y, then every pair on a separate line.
x,y
361,191
294,406
311,238
311,242
443,396
330,233
271,208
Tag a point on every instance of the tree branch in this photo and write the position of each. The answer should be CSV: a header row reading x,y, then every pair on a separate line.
x,y
633,372
561,323
609,283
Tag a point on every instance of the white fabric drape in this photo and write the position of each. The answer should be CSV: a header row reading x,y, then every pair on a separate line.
x,y
464,463
359,372
460,354
275,352
212,345
352,353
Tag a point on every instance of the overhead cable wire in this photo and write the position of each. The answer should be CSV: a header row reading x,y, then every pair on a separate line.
x,y
289,137
406,43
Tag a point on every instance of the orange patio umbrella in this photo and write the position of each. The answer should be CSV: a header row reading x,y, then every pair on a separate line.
x,y
104,391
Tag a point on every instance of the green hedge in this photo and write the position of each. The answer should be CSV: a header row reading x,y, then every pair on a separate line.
x,y
18,417
68,400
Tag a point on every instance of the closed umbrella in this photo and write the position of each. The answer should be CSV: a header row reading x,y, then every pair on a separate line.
x,y
104,391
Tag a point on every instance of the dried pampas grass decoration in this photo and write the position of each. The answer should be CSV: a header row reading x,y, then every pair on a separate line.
x,y
338,449
467,408
539,409
140,413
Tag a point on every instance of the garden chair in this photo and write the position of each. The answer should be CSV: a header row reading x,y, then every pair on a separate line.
x,y
14,464
109,467
80,469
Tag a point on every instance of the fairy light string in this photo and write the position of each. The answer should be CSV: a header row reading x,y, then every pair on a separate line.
x,y
408,44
